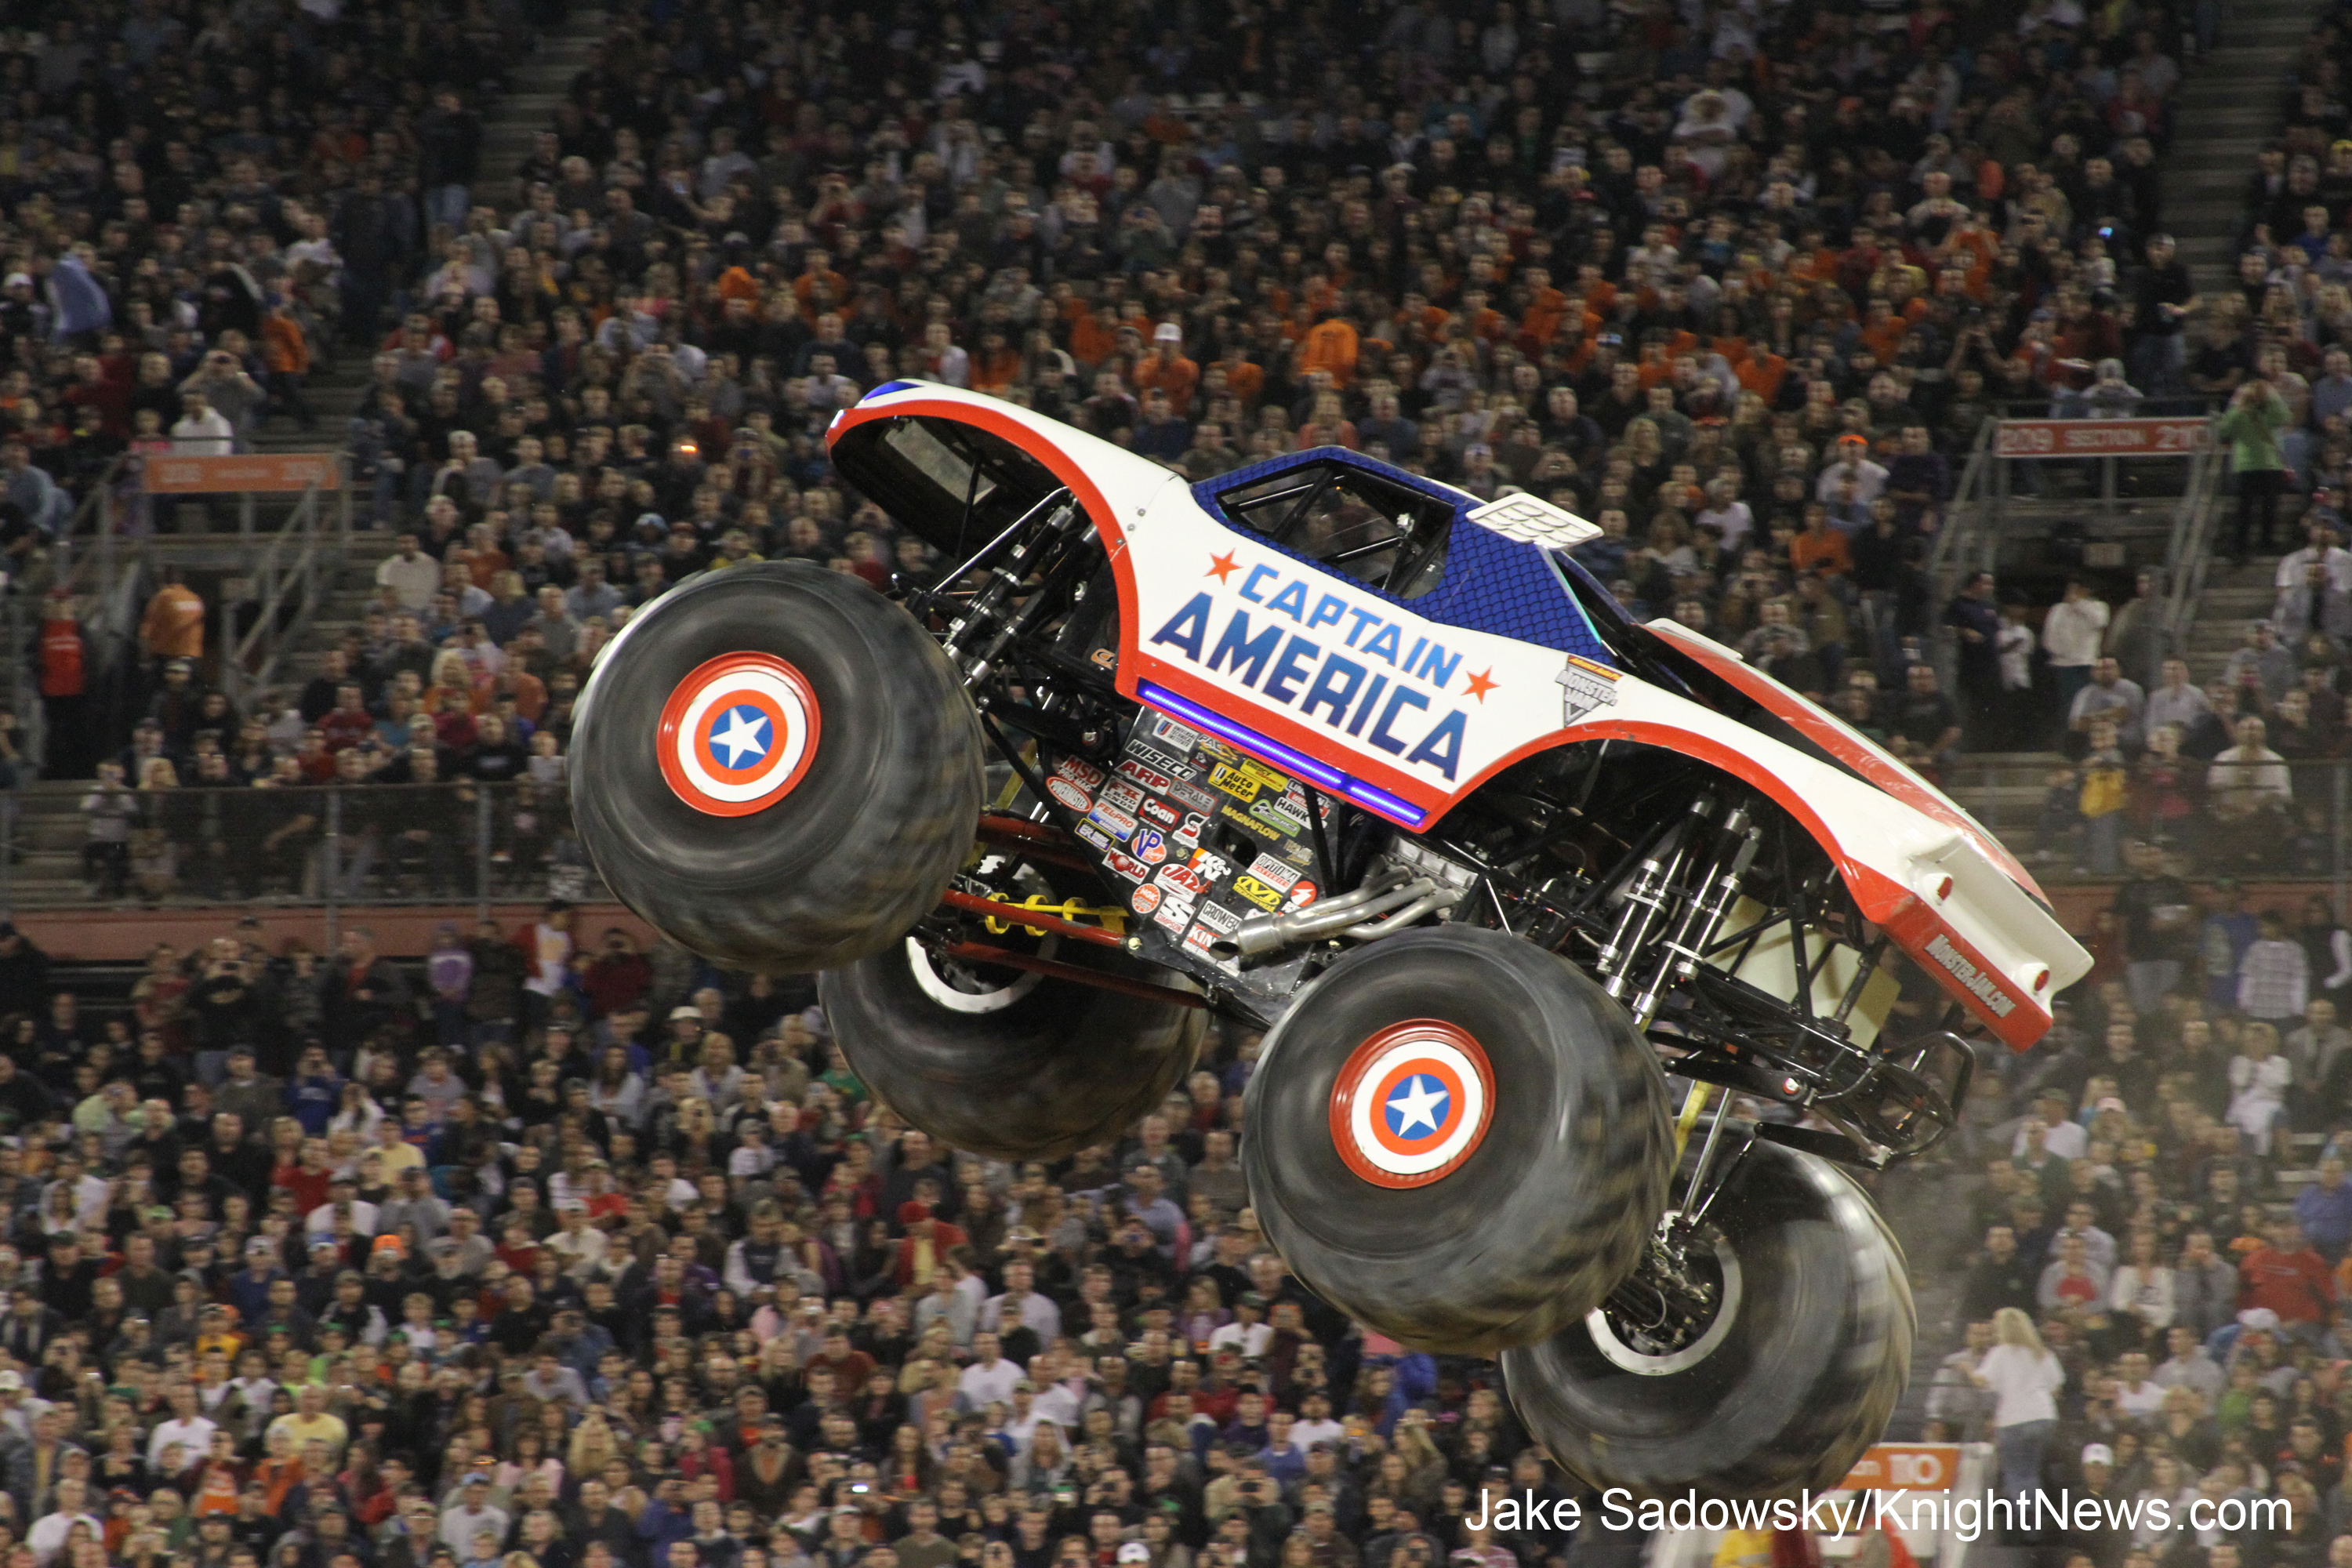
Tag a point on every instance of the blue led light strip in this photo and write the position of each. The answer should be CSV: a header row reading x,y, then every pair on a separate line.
x,y
1275,751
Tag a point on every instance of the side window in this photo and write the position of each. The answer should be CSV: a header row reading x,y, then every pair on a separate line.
x,y
1382,534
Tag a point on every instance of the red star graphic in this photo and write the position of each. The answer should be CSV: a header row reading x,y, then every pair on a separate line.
x,y
1480,685
1220,566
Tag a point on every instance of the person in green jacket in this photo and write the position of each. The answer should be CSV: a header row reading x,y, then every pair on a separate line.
x,y
2256,415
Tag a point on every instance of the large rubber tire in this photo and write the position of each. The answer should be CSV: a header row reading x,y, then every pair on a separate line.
x,y
1018,1067
848,857
1531,1225
1805,1372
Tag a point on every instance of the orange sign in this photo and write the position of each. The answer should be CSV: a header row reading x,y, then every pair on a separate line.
x,y
1907,1467
274,473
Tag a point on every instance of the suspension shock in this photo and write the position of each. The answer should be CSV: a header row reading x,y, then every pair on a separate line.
x,y
1645,912
1680,954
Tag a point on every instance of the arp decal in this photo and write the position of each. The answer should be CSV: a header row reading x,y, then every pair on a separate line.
x,y
1151,779
1144,899
1258,893
1126,866
1150,847
1112,820
1068,794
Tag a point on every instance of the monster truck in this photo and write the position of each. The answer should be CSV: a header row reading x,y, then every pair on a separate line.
x,y
1352,758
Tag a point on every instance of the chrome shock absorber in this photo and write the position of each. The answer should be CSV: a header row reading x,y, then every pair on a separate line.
x,y
1680,955
1647,898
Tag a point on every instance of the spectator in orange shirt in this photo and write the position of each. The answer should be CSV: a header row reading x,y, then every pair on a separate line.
x,y
1820,546
1330,345
1165,368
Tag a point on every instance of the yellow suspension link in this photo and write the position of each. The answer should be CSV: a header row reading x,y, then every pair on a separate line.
x,y
1110,917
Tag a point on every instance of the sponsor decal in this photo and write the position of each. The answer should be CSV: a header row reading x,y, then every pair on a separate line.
x,y
1192,795
1974,979
1297,853
1189,835
1183,880
1303,894
1083,775
1199,939
1153,758
1144,899
1249,824
1216,868
1123,795
1111,820
737,735
1094,836
1411,1103
1151,779
1160,811
1068,794
1183,737
1126,866
1150,847
1272,814
1219,919
1585,685
1235,782
1268,869
1259,893
1175,914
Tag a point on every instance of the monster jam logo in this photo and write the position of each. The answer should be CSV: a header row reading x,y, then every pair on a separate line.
x,y
1975,981
1587,685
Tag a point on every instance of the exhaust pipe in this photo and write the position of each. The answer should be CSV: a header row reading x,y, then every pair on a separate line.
x,y
1265,934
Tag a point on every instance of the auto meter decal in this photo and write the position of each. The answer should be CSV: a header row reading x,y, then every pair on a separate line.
x,y
1411,1103
738,733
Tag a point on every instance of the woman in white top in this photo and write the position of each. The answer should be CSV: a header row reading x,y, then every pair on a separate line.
x,y
2143,1287
2023,1376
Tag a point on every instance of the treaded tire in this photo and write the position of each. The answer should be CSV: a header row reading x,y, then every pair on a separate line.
x,y
1802,1382
1538,1220
848,857
1060,1069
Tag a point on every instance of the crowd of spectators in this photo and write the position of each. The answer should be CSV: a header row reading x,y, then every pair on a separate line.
x,y
2155,1299
1738,283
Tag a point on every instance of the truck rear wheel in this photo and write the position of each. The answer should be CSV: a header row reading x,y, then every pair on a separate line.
x,y
1782,1388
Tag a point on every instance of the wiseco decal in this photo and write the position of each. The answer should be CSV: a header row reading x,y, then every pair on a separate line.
x,y
1380,689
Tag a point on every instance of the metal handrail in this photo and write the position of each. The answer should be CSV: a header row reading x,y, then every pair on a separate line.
x,y
2192,548
273,582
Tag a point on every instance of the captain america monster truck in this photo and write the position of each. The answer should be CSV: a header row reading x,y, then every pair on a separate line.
x,y
1341,753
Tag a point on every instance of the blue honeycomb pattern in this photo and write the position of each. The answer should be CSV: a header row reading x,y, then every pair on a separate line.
x,y
1491,583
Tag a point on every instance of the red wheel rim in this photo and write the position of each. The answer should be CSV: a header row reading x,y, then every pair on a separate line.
x,y
1411,1103
738,733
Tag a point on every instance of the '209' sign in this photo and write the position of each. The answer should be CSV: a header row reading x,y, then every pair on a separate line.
x,y
2101,438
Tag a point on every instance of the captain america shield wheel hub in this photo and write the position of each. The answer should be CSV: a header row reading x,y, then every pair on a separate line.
x,y
738,733
1411,1103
